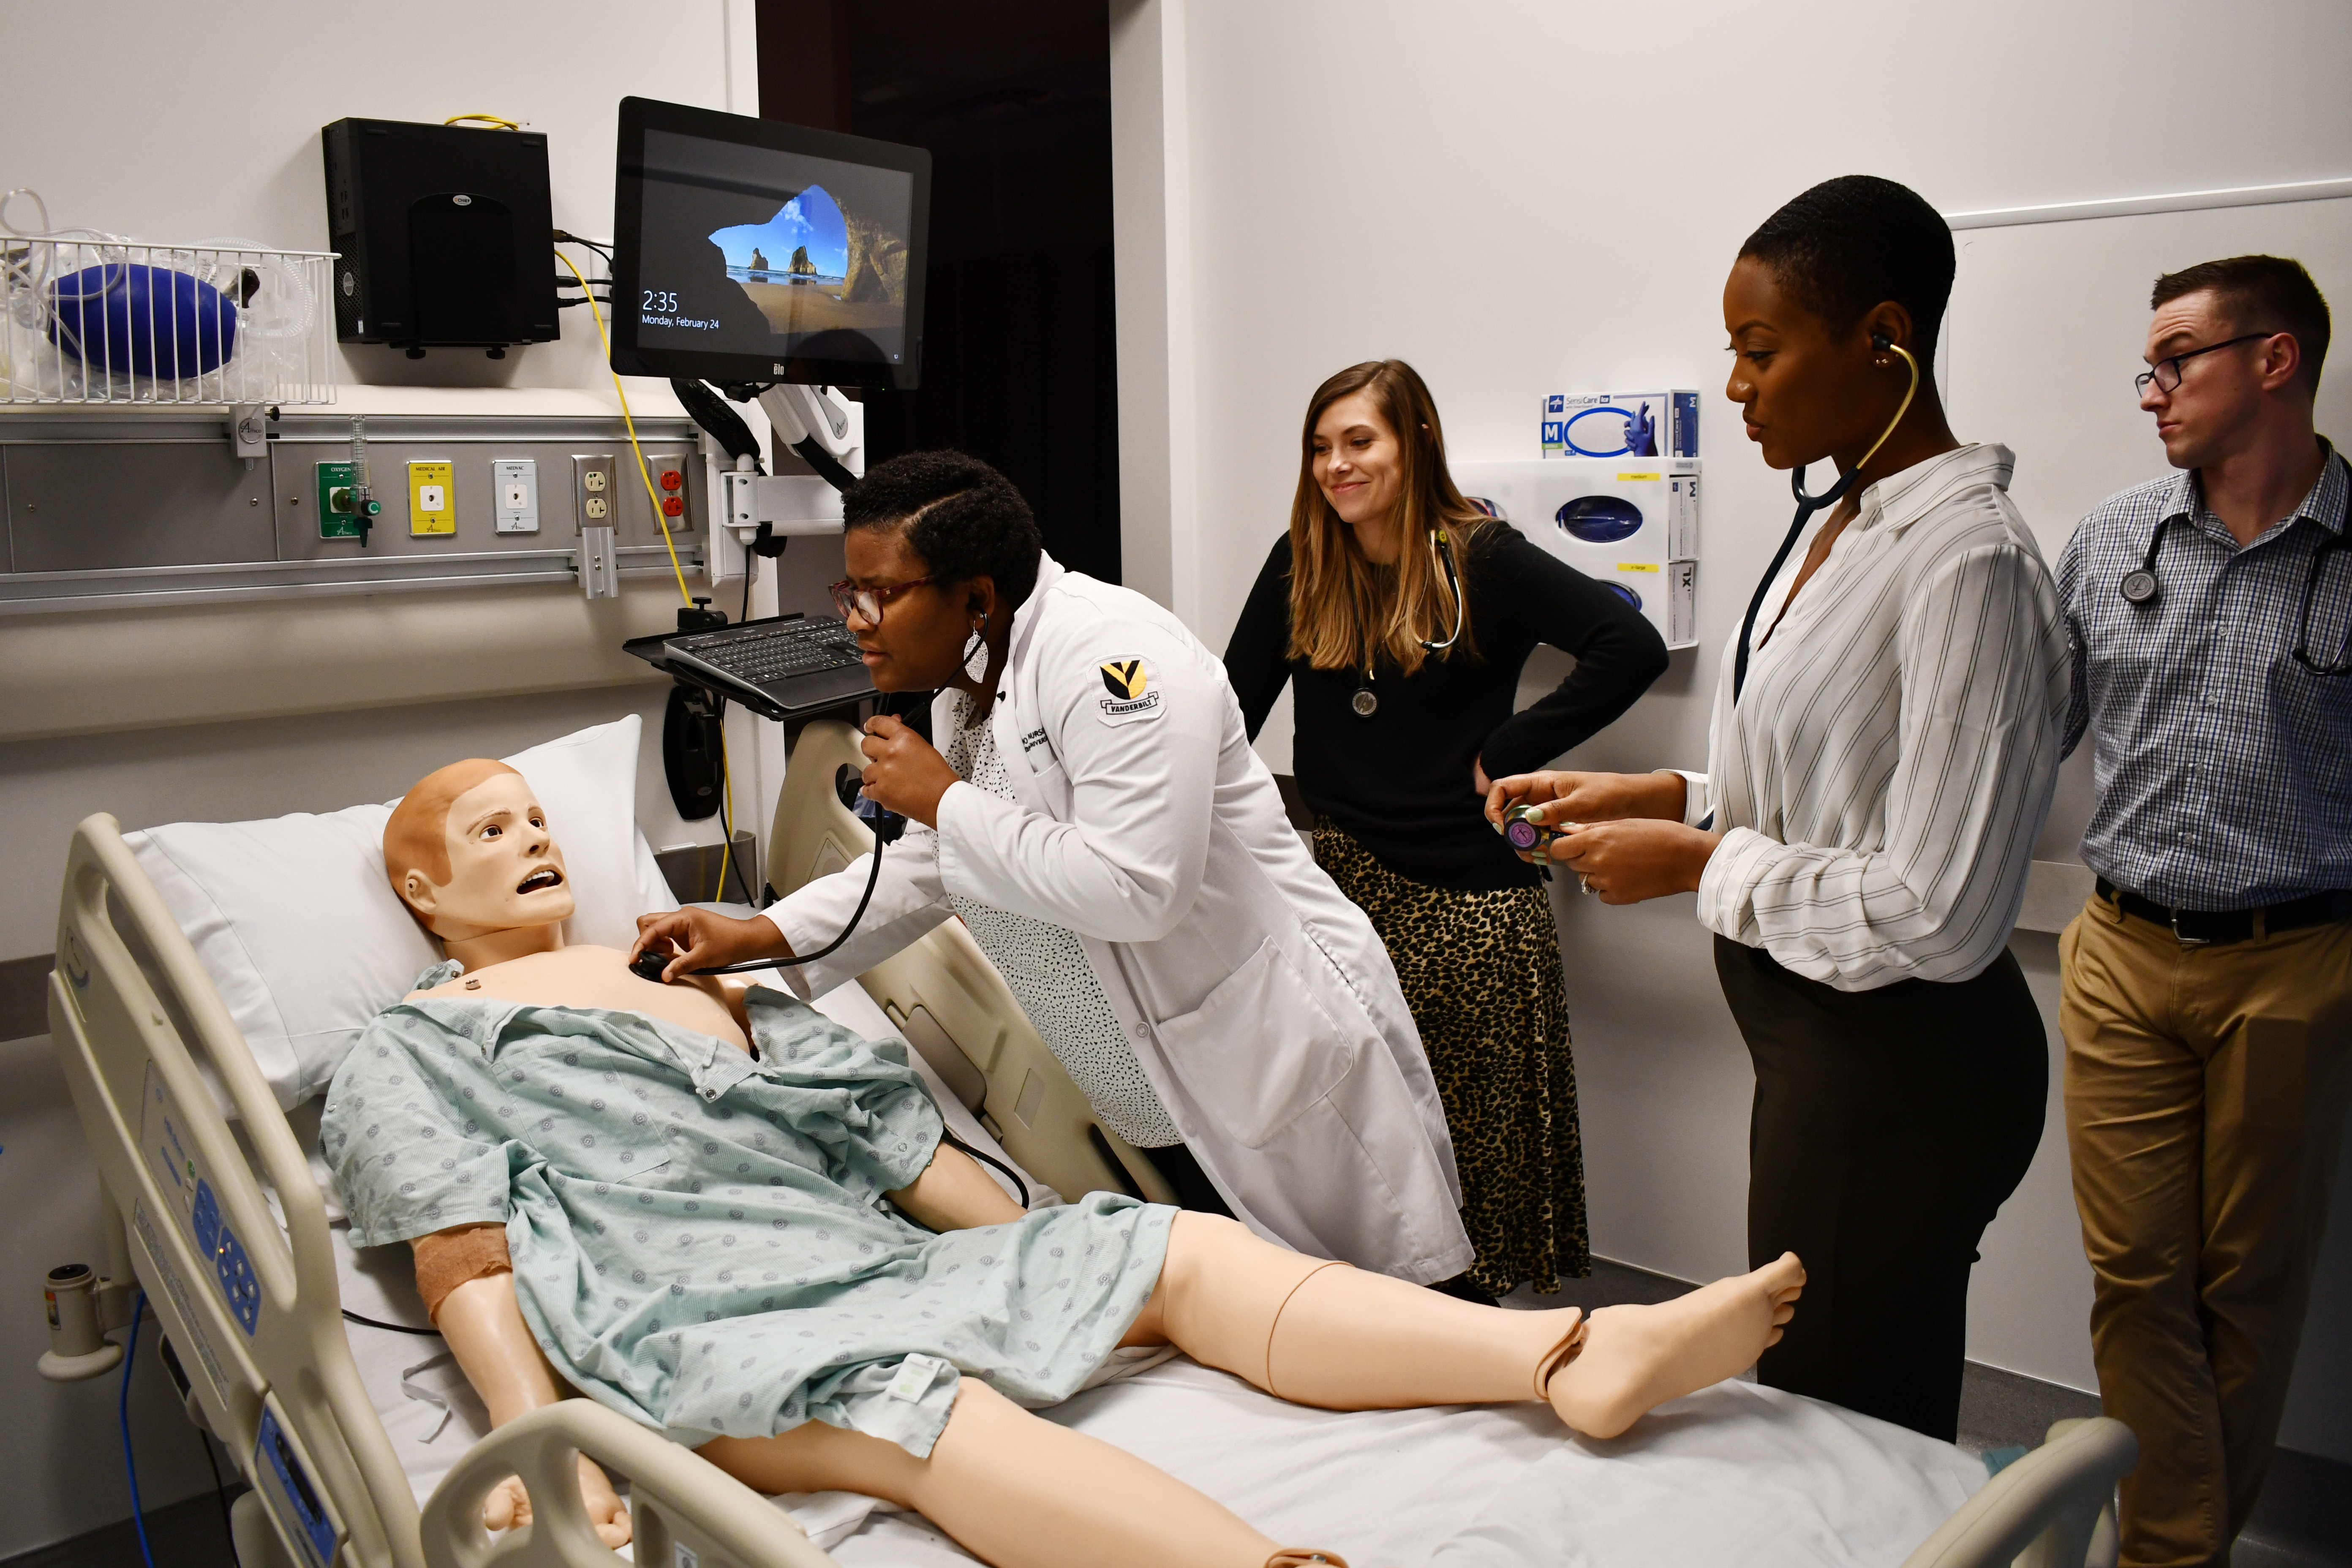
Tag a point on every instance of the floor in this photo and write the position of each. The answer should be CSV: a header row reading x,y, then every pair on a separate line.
x,y
2305,1519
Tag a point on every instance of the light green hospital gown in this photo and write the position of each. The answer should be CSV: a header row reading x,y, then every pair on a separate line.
x,y
699,1237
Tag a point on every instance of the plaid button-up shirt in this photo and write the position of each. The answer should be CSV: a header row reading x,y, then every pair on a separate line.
x,y
2223,764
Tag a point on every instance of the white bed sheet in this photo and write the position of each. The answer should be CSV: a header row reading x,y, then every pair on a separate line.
x,y
1733,1473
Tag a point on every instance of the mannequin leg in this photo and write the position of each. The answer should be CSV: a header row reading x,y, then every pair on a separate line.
x,y
1016,1490
1329,1335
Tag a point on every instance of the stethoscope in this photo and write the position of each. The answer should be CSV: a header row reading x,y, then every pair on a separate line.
x,y
1808,505
1365,702
2139,588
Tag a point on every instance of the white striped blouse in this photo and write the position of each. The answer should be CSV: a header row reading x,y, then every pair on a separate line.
x,y
1890,762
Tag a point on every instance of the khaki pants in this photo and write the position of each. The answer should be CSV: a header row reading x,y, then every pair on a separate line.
x,y
2205,1099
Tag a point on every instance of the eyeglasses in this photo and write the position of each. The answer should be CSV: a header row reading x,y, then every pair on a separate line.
x,y
867,602
2165,372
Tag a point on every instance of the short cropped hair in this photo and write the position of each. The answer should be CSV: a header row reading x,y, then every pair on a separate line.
x,y
962,517
417,834
1851,243
2259,294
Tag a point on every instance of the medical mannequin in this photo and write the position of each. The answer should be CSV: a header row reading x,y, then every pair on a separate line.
x,y
471,853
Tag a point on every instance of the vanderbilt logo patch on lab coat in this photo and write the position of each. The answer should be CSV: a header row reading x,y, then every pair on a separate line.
x,y
1133,693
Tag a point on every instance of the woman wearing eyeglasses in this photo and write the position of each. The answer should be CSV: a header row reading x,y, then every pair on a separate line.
x,y
1094,814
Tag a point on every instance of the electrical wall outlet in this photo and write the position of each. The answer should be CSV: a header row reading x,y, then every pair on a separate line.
x,y
593,484
514,494
432,497
668,471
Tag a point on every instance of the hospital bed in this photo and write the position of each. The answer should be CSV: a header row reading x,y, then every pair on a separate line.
x,y
365,1449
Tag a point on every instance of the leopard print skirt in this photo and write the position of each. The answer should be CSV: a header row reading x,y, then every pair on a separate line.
x,y
1481,972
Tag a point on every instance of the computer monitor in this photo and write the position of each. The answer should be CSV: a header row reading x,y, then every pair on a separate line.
x,y
750,250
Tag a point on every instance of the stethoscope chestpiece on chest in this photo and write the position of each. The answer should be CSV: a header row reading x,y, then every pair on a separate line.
x,y
1365,702
2139,587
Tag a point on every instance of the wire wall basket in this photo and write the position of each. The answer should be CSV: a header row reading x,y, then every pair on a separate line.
x,y
89,318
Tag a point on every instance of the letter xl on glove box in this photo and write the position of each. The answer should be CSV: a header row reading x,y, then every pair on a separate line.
x,y
1630,523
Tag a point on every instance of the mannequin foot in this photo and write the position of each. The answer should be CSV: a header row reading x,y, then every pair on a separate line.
x,y
1636,1358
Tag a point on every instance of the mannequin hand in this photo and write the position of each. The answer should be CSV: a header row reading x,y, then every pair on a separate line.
x,y
903,772
704,940
1633,859
1588,797
509,1506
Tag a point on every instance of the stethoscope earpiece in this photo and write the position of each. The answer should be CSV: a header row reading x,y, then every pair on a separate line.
x,y
1808,505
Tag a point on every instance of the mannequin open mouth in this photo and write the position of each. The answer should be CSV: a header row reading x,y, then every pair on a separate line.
x,y
540,880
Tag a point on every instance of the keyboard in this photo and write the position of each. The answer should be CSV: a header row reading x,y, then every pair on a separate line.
x,y
796,661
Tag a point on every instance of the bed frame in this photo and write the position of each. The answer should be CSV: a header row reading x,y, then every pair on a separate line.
x,y
254,1313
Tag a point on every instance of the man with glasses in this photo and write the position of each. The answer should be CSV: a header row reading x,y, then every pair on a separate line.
x,y
2207,1000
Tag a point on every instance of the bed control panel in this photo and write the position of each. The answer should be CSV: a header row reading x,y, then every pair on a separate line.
x,y
282,1474
230,1265
172,1158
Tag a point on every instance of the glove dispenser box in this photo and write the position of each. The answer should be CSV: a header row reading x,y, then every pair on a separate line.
x,y
1630,524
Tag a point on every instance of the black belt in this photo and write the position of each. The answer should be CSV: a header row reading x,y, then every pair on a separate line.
x,y
2199,927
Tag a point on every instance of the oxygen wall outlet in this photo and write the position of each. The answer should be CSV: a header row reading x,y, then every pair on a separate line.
x,y
432,497
514,494
592,483
337,518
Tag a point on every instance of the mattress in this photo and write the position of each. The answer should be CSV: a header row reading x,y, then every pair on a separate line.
x,y
1733,1473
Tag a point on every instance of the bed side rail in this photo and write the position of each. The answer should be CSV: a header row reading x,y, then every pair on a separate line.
x,y
254,1311
685,1511
2052,1508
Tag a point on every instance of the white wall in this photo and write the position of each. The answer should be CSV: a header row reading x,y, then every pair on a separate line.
x,y
211,129
1523,197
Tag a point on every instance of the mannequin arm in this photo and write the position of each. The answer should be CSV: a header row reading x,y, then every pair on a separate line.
x,y
485,1330
954,1193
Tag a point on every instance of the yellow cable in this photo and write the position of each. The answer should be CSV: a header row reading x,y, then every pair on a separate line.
x,y
727,826
485,119
643,472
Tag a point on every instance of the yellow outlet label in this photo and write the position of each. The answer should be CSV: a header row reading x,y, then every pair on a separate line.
x,y
432,497
1637,566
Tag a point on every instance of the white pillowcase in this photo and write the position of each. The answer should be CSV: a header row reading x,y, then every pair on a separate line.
x,y
303,937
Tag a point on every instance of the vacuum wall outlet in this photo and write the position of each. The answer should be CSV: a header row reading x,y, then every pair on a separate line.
x,y
593,484
432,497
514,493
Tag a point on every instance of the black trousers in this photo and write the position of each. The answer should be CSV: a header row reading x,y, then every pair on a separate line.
x,y
1889,1128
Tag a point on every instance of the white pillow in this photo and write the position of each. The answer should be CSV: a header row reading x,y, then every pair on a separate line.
x,y
302,935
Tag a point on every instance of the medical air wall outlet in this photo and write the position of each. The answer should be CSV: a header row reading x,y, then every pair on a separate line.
x,y
77,1347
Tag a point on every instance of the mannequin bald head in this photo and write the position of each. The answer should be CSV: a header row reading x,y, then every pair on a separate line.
x,y
467,851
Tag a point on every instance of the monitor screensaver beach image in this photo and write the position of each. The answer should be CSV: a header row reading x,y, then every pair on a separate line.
x,y
814,268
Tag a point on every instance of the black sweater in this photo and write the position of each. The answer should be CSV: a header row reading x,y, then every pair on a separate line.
x,y
1399,781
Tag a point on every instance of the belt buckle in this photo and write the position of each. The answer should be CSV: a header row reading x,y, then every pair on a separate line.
x,y
2186,940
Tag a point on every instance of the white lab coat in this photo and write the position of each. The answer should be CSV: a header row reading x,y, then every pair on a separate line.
x,y
1257,998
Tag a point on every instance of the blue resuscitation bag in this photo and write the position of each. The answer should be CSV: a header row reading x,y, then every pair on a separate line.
x,y
136,319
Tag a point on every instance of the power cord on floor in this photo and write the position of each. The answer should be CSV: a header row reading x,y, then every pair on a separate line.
x,y
122,1415
351,1317
228,1524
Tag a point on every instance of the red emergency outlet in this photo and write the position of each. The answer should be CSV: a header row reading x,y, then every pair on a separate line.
x,y
671,479
673,506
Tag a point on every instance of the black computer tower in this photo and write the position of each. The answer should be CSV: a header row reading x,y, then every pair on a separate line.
x,y
445,235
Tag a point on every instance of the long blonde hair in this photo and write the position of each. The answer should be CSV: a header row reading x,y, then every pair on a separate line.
x,y
1345,608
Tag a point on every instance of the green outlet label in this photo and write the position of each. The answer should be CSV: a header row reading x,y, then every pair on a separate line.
x,y
336,519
